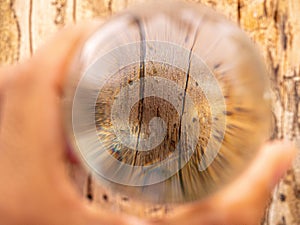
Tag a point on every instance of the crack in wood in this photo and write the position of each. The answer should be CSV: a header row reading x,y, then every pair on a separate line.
x,y
74,10
142,71
296,108
239,7
110,6
187,78
30,27
284,38
275,16
265,8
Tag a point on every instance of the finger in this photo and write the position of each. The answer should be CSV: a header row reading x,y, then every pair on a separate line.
x,y
31,128
245,200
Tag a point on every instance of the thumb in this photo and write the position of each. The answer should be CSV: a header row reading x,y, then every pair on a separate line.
x,y
244,201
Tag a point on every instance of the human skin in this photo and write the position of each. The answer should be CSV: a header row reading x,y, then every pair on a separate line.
x,y
35,187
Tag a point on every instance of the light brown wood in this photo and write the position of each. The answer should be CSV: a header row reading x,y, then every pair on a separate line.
x,y
273,25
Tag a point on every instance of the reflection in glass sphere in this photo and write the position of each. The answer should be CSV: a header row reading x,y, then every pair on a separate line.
x,y
167,102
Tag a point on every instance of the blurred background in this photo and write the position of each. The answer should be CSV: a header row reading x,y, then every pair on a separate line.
x,y
273,25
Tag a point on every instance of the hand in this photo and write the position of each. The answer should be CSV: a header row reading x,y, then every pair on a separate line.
x,y
36,189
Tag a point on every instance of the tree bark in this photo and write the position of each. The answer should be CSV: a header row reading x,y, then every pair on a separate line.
x,y
272,24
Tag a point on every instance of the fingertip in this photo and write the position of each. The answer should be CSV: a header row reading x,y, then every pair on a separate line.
x,y
249,194
284,151
254,187
282,154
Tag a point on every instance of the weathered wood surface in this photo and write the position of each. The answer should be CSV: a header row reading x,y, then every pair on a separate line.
x,y
274,26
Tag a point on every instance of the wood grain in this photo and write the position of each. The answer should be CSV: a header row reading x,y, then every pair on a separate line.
x,y
273,25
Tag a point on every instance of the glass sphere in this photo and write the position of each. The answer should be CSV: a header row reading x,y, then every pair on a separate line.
x,y
167,102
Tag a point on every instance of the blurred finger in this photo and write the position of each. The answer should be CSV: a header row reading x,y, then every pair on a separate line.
x,y
245,200
31,107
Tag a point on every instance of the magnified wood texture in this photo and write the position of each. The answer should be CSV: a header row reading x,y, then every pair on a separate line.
x,y
273,25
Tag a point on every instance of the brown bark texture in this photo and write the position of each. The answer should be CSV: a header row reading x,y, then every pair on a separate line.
x,y
274,27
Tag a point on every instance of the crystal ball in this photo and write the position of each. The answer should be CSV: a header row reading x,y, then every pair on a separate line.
x,y
167,102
